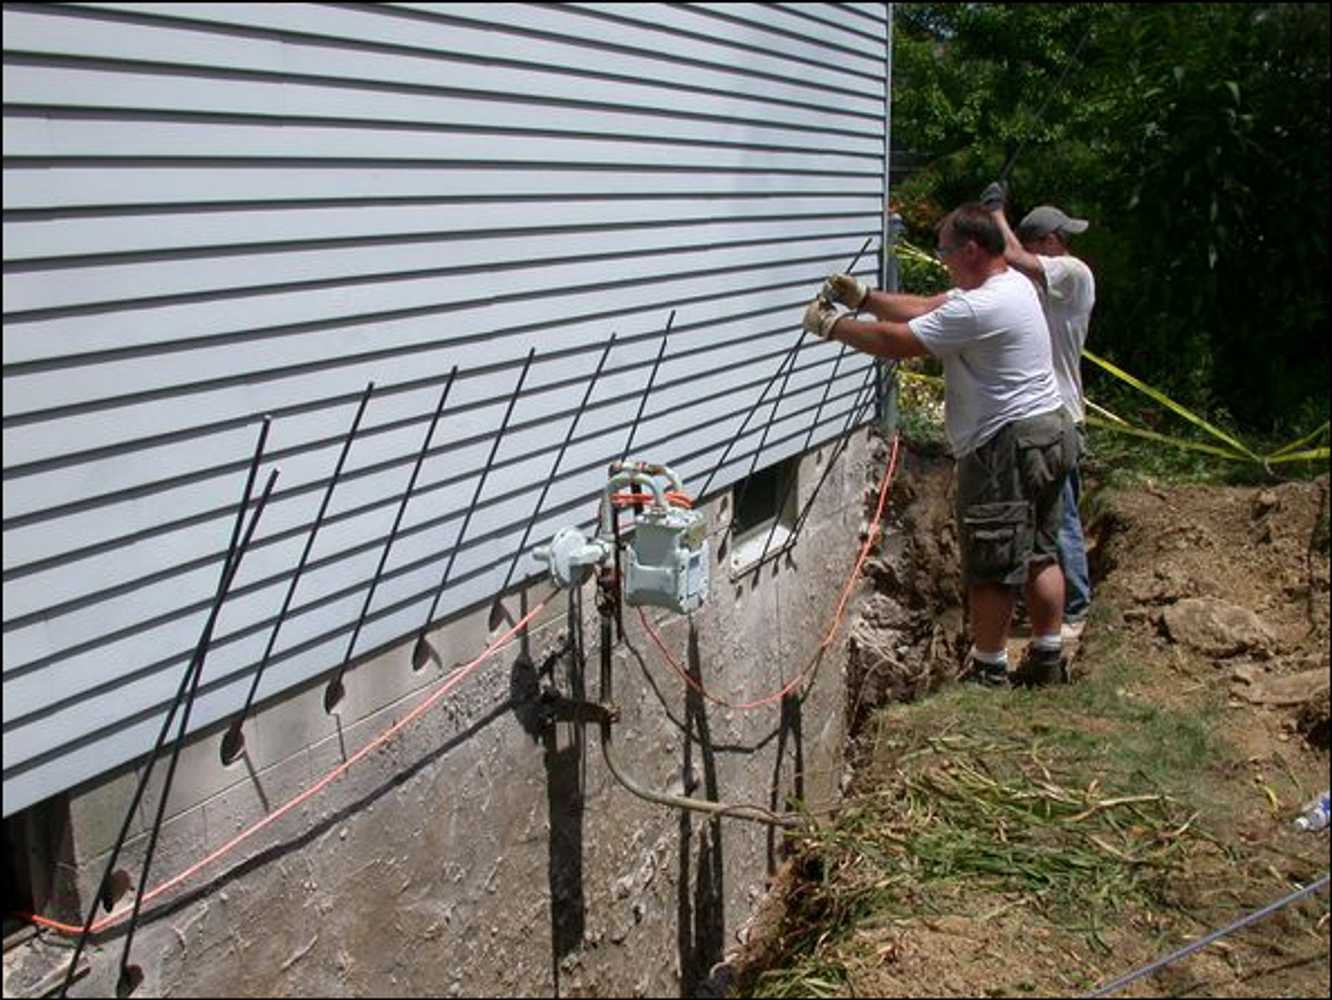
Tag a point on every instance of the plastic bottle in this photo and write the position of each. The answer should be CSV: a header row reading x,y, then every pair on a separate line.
x,y
1314,815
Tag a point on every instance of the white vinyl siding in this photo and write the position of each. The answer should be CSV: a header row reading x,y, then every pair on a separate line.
x,y
219,211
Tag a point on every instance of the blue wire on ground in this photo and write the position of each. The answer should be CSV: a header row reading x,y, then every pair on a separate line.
x,y
1123,981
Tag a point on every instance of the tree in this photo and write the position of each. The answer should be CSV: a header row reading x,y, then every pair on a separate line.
x,y
1195,136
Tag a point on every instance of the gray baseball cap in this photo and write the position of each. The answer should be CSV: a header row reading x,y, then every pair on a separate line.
x,y
1048,219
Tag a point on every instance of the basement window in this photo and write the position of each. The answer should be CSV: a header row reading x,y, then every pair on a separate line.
x,y
765,514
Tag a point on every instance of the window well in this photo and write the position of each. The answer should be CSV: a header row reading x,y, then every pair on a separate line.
x,y
765,514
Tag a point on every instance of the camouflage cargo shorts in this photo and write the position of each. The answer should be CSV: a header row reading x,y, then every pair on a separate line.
x,y
1008,497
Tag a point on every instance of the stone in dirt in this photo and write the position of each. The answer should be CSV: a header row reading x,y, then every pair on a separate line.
x,y
1216,628
1296,689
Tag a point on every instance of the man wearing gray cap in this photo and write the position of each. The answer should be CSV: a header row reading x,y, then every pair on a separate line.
x,y
1040,250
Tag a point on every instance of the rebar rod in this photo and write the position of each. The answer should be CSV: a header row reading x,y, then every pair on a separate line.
x,y
335,690
788,359
809,438
853,418
772,380
234,741
480,485
103,894
559,457
130,976
763,438
652,377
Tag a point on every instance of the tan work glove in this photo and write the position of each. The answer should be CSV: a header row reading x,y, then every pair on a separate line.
x,y
820,318
845,289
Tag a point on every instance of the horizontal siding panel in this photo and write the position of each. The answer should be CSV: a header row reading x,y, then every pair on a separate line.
x,y
761,50
246,139
847,24
55,89
220,211
468,52
388,281
388,278
839,31
875,14
789,33
55,184
104,234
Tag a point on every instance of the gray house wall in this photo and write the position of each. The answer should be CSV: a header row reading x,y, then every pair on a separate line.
x,y
219,211
215,212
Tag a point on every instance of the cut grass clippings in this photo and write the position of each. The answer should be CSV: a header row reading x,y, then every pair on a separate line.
x,y
1085,805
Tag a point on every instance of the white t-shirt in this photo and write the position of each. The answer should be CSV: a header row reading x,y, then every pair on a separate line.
x,y
1068,299
995,349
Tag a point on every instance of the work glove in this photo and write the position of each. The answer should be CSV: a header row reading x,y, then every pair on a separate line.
x,y
994,196
820,318
845,289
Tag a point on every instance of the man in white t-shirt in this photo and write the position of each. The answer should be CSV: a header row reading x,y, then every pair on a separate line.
x,y
1040,250
1009,432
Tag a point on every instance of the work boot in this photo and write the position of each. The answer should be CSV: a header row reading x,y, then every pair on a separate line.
x,y
976,671
1041,668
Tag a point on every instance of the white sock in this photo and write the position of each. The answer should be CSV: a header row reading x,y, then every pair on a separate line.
x,y
999,659
1048,643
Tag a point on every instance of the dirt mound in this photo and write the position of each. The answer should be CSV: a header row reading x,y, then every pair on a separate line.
x,y
1231,582
908,638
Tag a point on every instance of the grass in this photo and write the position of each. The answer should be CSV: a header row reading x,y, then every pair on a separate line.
x,y
1080,803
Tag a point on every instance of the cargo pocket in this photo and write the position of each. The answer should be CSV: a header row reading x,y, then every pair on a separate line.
x,y
1045,452
996,539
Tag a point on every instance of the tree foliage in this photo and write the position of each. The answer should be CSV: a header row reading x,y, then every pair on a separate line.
x,y
1194,136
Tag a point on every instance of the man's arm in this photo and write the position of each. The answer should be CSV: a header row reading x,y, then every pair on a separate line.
x,y
893,307
886,339
898,307
1015,253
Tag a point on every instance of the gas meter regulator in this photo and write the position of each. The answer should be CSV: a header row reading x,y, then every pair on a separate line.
x,y
667,552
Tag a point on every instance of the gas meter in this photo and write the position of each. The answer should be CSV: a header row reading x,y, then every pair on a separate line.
x,y
667,553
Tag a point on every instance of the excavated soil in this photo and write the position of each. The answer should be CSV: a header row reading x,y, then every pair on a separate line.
x,y
1211,588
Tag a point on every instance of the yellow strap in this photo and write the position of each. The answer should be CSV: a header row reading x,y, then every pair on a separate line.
x,y
1165,400
1300,443
1300,456
920,376
1106,413
904,249
1177,442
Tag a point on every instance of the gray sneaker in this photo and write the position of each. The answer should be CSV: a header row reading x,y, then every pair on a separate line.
x,y
1041,668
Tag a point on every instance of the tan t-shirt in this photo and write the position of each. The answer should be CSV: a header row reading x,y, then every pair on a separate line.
x,y
1070,294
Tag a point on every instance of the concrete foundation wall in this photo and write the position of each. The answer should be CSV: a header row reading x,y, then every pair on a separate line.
x,y
486,849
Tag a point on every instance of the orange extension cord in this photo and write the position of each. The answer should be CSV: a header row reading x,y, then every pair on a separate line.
x,y
451,682
884,489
